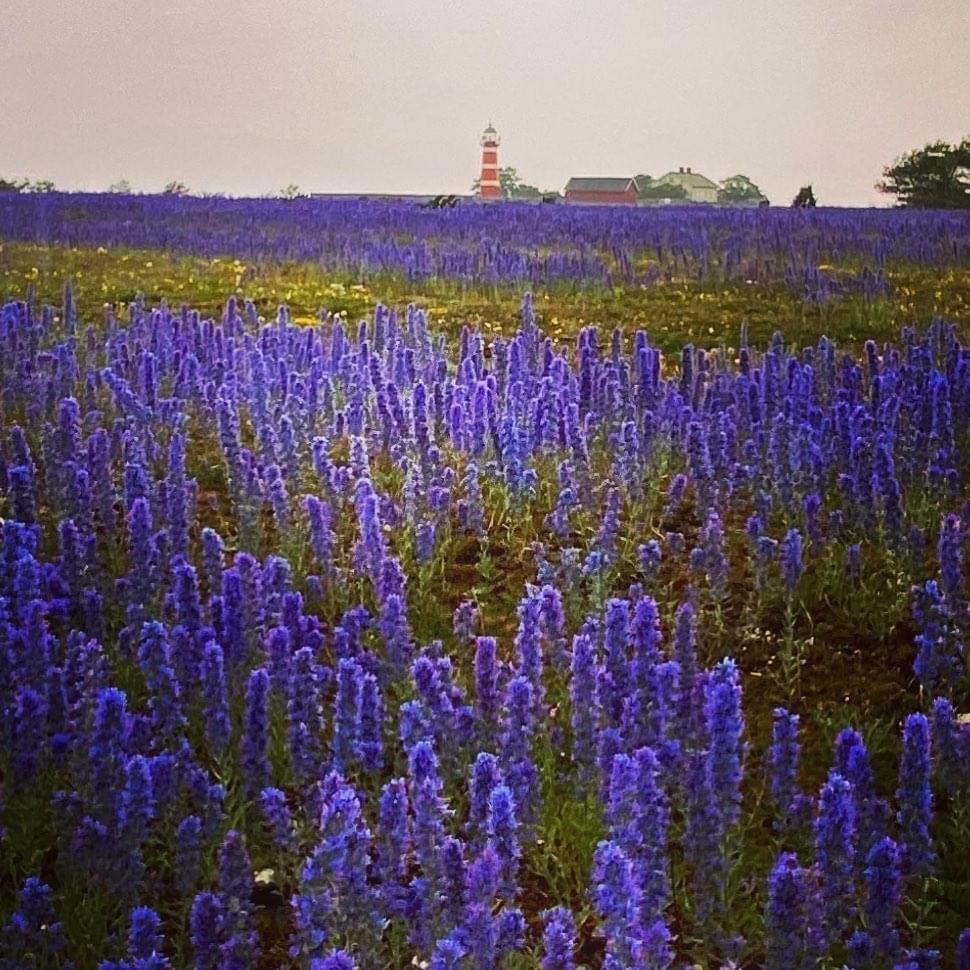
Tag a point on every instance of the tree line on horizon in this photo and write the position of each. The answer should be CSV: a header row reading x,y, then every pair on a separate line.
x,y
936,176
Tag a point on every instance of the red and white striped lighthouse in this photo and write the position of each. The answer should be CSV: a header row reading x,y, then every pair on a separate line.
x,y
489,186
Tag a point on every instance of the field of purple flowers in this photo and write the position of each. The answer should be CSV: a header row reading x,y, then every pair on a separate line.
x,y
819,253
346,645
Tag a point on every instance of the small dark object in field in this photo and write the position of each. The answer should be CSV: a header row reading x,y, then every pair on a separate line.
x,y
440,202
267,894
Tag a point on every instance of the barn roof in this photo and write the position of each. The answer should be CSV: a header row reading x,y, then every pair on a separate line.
x,y
599,184
689,180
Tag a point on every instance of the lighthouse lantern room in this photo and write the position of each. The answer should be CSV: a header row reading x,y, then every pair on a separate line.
x,y
489,186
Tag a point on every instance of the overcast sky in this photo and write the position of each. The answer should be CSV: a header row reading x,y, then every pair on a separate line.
x,y
246,96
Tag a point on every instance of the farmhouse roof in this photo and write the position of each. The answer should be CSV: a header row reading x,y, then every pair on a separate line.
x,y
688,179
599,184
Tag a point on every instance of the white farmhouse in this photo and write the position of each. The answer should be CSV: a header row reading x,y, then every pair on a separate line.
x,y
698,187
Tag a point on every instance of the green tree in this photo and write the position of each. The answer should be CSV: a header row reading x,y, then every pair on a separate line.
x,y
291,192
121,187
41,185
661,191
739,188
936,176
12,185
175,188
525,191
512,186
805,198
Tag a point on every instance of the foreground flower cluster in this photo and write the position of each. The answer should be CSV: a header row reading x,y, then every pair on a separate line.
x,y
235,722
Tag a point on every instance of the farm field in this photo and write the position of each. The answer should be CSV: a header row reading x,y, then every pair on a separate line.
x,y
508,586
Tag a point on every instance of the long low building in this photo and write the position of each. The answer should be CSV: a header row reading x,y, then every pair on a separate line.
x,y
603,191
388,196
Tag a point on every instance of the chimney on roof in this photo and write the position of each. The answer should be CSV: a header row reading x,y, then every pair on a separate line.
x,y
681,170
688,170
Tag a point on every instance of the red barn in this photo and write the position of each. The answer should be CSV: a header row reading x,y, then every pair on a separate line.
x,y
602,190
